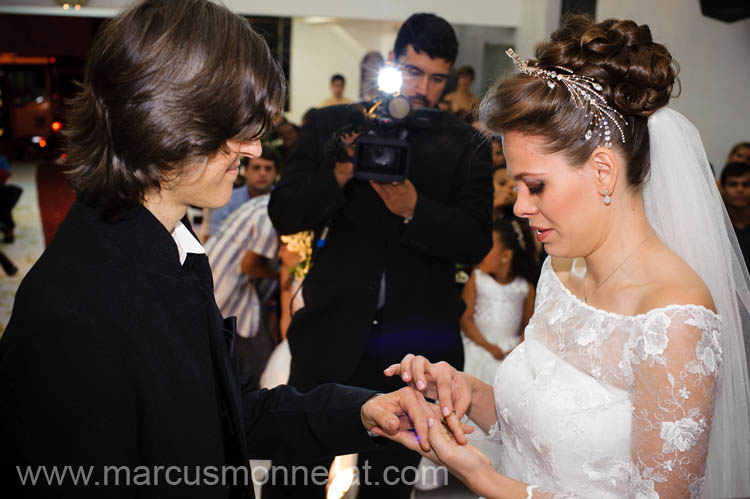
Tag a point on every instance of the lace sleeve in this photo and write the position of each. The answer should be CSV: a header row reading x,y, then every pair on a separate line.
x,y
675,361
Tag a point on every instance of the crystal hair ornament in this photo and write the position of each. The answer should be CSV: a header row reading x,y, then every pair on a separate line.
x,y
519,234
586,94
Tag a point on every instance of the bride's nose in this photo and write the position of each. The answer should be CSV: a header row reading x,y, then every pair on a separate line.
x,y
524,206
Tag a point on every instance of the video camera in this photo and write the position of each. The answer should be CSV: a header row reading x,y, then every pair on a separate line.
x,y
382,153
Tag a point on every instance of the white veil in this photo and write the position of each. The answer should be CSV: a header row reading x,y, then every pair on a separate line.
x,y
683,205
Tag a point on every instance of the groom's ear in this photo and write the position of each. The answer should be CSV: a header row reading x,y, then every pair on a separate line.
x,y
606,168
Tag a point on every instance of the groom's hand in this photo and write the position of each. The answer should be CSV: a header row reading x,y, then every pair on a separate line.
x,y
396,414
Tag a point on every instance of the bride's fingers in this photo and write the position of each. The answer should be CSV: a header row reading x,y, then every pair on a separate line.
x,y
440,440
405,371
467,428
420,411
418,367
456,428
403,368
392,370
441,373
462,396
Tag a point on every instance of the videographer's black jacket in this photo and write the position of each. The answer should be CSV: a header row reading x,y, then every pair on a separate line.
x,y
450,169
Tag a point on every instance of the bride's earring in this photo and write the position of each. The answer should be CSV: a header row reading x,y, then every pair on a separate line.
x,y
607,199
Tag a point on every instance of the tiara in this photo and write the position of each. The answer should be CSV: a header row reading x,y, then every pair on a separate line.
x,y
586,94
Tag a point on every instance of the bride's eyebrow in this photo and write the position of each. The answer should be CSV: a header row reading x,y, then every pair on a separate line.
x,y
520,176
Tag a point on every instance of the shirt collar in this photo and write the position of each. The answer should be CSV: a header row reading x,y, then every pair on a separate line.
x,y
186,242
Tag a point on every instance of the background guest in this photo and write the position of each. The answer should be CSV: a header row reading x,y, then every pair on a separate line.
x,y
498,158
504,193
499,299
242,257
338,82
735,183
9,196
259,174
462,99
288,133
740,153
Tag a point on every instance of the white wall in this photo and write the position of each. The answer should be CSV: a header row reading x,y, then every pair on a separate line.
x,y
539,18
714,59
320,49
481,12
471,47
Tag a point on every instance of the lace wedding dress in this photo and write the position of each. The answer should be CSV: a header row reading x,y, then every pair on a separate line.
x,y
596,404
498,313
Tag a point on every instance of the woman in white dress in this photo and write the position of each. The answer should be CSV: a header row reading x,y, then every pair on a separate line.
x,y
632,379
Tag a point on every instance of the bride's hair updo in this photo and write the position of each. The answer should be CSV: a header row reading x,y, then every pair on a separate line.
x,y
636,75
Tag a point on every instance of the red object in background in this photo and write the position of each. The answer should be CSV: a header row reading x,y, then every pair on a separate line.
x,y
52,60
55,198
56,126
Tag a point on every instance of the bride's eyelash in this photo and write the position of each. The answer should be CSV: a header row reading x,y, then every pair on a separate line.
x,y
536,189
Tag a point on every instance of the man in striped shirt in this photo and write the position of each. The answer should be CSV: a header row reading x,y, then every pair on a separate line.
x,y
260,174
242,258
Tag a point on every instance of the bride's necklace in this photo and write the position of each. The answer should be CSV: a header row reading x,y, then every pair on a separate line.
x,y
615,270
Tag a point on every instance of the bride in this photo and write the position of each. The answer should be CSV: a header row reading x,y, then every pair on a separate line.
x,y
632,380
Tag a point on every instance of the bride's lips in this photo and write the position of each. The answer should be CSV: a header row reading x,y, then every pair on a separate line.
x,y
541,234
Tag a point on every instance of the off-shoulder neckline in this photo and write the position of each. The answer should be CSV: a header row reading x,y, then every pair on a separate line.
x,y
576,299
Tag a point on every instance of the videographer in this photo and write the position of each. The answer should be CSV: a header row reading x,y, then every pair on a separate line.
x,y
382,284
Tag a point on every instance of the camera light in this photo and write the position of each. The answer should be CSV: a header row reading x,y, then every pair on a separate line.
x,y
389,79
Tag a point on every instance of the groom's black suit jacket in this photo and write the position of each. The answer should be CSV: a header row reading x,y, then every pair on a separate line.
x,y
115,355
450,169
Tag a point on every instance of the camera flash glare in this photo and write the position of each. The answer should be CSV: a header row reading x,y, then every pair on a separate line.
x,y
389,79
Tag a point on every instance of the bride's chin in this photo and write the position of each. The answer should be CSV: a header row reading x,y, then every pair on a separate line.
x,y
552,251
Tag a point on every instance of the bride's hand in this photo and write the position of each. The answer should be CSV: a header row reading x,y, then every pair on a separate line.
x,y
464,461
439,381
406,432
